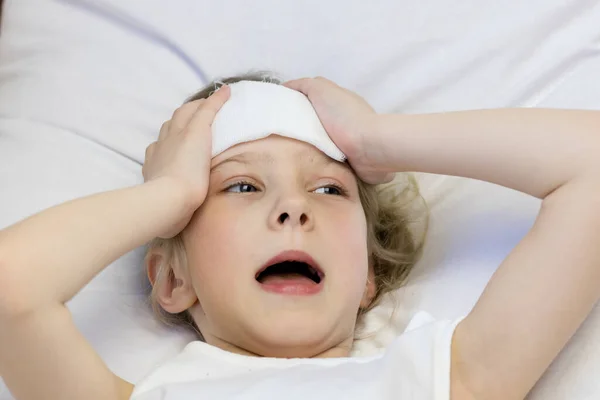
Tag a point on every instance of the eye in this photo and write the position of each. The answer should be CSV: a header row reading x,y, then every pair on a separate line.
x,y
331,189
241,187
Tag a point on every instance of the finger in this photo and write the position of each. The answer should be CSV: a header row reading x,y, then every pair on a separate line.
x,y
387,178
323,79
164,129
206,113
150,150
145,171
303,85
220,96
183,115
376,178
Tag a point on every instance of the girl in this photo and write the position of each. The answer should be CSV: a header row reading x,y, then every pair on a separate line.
x,y
244,209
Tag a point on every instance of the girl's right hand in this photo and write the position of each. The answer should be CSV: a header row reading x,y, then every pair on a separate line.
x,y
182,152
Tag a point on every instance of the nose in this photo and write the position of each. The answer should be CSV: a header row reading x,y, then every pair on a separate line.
x,y
293,212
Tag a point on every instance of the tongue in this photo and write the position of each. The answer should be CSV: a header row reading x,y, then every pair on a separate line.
x,y
287,278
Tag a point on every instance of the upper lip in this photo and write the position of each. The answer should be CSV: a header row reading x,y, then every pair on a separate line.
x,y
292,255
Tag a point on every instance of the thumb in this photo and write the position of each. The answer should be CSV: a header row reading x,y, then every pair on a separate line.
x,y
303,85
376,178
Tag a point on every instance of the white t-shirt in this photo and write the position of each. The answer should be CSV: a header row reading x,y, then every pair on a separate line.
x,y
416,365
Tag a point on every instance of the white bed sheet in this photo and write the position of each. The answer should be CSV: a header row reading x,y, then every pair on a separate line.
x,y
85,84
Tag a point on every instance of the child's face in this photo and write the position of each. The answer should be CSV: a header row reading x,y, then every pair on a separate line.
x,y
286,202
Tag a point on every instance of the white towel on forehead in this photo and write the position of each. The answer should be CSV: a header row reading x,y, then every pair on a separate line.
x,y
256,110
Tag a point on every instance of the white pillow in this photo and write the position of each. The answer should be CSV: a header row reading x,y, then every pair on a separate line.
x,y
85,85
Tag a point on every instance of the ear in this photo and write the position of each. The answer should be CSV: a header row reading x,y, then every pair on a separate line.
x,y
370,289
170,280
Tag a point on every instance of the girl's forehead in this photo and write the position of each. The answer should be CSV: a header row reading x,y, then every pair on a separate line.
x,y
273,149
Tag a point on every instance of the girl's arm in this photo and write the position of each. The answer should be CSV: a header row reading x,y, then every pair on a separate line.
x,y
545,288
534,151
549,283
47,258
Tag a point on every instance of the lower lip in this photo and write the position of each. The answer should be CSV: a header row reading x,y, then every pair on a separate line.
x,y
293,287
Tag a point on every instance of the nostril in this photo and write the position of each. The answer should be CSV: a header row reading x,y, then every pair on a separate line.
x,y
303,219
283,217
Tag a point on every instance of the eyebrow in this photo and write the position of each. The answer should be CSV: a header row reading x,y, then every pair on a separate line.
x,y
319,158
265,158
247,158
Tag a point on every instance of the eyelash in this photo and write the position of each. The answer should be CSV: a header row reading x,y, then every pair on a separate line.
x,y
343,192
239,183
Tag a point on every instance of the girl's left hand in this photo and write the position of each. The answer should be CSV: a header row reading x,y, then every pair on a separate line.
x,y
350,122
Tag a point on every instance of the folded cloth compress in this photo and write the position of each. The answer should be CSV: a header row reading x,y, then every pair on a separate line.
x,y
256,110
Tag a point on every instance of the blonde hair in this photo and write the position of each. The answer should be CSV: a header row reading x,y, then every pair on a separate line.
x,y
396,216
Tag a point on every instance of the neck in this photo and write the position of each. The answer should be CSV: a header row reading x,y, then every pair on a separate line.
x,y
340,350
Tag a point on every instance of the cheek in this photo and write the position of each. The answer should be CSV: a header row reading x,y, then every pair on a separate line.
x,y
348,240
353,232
216,243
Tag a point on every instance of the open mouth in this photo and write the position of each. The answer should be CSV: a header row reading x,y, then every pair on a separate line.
x,y
289,271
292,268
